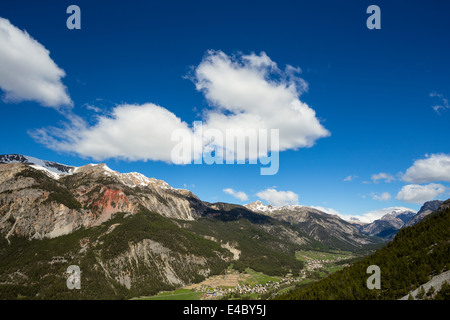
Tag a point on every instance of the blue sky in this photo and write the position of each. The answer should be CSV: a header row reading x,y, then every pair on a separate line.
x,y
373,90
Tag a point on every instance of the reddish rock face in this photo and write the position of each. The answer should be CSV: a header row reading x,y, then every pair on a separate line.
x,y
111,202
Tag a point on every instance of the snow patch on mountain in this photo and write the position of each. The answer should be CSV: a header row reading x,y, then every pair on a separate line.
x,y
57,170
385,214
258,206
52,169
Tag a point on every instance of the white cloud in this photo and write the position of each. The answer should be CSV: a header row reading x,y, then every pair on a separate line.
x,y
237,194
27,72
132,132
435,167
443,102
251,92
244,92
385,196
278,198
350,178
420,193
371,216
382,176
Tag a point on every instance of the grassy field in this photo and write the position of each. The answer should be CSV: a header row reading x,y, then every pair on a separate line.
x,y
332,268
305,255
258,278
181,294
305,281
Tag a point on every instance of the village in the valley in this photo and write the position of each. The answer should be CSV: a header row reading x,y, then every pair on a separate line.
x,y
250,283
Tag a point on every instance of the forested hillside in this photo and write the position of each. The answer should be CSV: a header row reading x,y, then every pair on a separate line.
x,y
416,254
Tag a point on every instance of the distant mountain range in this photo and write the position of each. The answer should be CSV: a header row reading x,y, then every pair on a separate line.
x,y
324,227
397,218
394,219
133,235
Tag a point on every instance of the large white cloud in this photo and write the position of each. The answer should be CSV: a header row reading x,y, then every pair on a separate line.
x,y
237,194
27,72
132,132
244,92
420,193
434,168
251,92
278,198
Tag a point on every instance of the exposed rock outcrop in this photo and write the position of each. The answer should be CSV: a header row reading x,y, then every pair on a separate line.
x,y
35,203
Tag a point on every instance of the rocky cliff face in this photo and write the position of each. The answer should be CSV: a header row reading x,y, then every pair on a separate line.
x,y
35,203
427,208
388,225
25,208
170,267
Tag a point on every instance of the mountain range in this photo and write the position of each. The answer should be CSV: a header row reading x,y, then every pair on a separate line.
x,y
326,228
133,235
395,219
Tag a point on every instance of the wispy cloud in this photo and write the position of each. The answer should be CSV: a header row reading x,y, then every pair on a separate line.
x,y
382,176
350,178
328,210
384,196
443,102
242,196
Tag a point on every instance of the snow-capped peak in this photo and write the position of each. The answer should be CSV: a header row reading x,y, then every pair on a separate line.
x,y
258,206
133,179
380,214
52,169
56,170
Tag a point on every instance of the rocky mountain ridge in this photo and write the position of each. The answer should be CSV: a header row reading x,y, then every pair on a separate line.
x,y
35,203
394,218
324,227
427,208
388,225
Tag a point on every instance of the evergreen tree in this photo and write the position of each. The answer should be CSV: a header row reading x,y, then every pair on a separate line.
x,y
421,293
